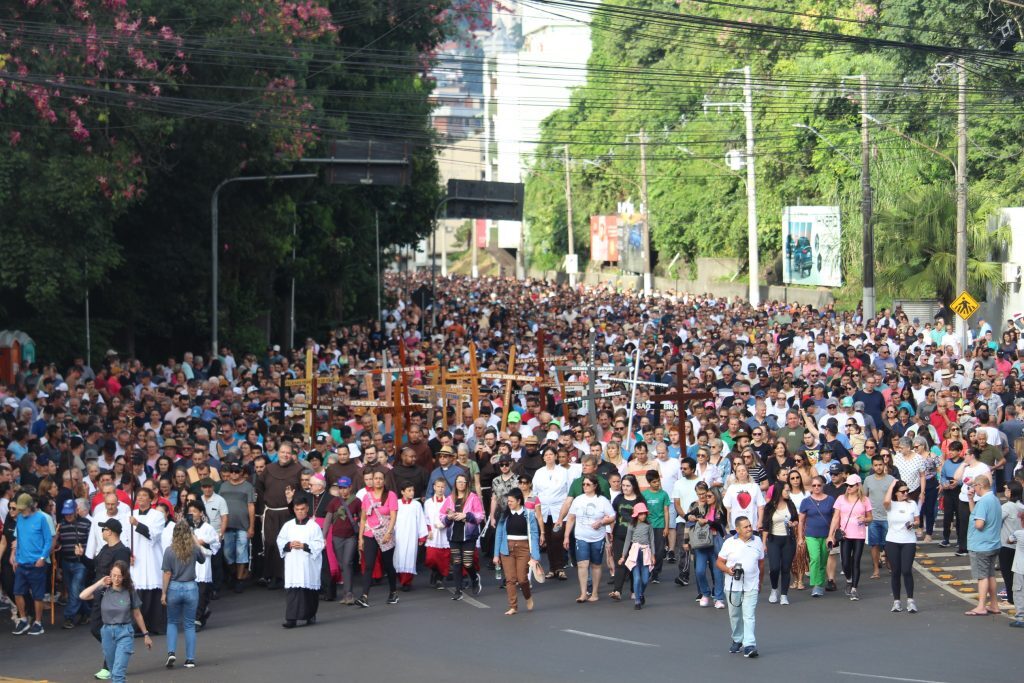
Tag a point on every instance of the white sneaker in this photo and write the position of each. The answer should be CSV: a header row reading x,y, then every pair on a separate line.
x,y
773,597
719,604
896,606
911,605
705,601
784,600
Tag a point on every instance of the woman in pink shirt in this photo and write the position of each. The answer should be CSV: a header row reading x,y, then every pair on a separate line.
x,y
850,519
377,537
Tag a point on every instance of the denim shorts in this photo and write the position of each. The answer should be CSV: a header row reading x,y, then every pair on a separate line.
x,y
590,551
30,579
236,546
876,532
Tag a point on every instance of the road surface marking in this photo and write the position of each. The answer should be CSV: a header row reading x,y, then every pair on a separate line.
x,y
476,603
600,637
889,678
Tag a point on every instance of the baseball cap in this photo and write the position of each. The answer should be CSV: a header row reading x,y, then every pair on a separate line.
x,y
344,482
835,468
68,508
514,417
831,403
853,479
847,401
24,501
112,524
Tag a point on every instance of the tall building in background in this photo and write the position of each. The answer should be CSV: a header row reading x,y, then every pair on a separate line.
x,y
491,99
532,61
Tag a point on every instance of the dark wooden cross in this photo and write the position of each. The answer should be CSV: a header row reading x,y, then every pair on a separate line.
x,y
681,396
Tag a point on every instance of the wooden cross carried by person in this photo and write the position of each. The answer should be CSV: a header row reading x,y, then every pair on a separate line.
x,y
591,370
681,396
394,407
439,393
467,381
634,383
308,385
509,378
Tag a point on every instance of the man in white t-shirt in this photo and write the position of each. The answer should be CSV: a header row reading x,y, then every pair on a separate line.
x,y
683,495
746,552
970,468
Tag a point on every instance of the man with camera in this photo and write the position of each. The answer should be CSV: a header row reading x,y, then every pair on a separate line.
x,y
742,559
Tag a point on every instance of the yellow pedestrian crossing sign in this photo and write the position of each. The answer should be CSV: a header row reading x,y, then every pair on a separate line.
x,y
965,305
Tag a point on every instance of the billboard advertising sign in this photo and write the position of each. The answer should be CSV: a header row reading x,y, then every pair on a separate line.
x,y
631,242
604,239
811,246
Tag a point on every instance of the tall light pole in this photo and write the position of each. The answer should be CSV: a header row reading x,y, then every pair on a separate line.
x,y
568,214
961,194
747,106
215,239
752,255
291,305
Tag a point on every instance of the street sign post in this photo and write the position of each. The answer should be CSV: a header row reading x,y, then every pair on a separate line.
x,y
965,305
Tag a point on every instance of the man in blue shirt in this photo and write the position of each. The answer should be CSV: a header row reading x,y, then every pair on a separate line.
x,y
983,542
31,550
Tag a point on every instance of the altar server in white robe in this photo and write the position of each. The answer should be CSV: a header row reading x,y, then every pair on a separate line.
x,y
147,525
410,534
209,539
301,544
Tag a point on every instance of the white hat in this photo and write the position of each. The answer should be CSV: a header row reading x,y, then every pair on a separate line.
x,y
43,394
237,390
63,386
11,402
277,348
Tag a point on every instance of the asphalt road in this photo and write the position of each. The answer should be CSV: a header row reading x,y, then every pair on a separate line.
x,y
428,637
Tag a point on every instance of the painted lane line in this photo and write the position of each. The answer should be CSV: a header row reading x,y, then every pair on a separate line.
x,y
474,602
889,678
600,637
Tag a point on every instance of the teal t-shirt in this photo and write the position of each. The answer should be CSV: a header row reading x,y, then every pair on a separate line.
x,y
987,539
656,502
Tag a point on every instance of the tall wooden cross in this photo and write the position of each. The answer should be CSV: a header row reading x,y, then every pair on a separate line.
x,y
681,396
468,381
308,385
591,369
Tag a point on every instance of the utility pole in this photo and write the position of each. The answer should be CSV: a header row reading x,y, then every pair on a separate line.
x,y
753,264
866,200
961,195
568,214
646,243
376,230
291,305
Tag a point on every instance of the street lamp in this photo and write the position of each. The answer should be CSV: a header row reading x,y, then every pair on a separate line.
x,y
214,239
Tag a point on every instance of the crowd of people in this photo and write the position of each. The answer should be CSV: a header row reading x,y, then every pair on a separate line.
x,y
134,494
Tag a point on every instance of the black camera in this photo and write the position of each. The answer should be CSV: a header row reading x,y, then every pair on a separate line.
x,y
737,572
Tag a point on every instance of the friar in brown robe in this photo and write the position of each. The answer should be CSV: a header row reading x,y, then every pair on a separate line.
x,y
277,478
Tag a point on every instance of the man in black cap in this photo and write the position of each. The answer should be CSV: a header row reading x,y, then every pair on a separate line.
x,y
301,544
112,551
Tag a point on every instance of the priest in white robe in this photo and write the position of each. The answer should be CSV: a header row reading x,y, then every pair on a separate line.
x,y
301,544
147,525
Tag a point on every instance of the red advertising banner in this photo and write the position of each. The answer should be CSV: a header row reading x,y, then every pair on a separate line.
x,y
480,227
604,238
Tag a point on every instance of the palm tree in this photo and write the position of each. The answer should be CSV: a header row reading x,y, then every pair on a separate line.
x,y
916,247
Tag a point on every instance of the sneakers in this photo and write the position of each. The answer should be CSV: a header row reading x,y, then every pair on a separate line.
x,y
817,591
735,648
943,543
655,580
773,597
719,604
849,587
854,595
831,586
1017,623
911,606
671,559
68,624
21,627
1002,595
896,606
102,675
705,601
961,553
170,660
750,652
35,630
681,582
363,601
190,663
458,596
393,598
784,600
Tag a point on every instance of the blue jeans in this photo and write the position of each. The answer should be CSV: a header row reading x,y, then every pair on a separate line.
x,y
118,646
705,557
74,579
182,599
741,617
641,575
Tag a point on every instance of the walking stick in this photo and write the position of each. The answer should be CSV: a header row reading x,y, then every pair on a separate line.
x,y
53,587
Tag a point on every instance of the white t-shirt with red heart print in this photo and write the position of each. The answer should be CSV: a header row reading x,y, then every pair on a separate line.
x,y
743,500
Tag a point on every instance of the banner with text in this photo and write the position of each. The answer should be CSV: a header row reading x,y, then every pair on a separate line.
x,y
811,246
